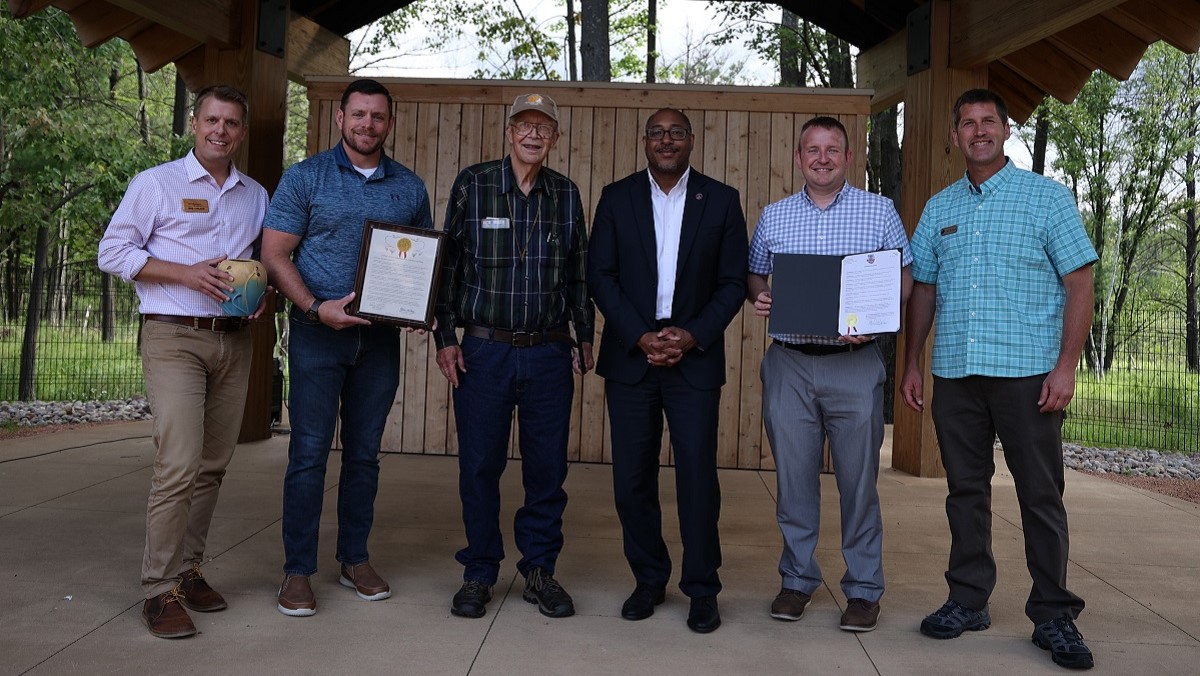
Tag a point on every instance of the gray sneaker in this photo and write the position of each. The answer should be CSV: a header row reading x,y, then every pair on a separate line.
x,y
953,618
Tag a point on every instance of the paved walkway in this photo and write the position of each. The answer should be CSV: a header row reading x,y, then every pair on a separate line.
x,y
72,523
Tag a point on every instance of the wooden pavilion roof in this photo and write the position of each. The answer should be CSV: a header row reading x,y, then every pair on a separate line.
x,y
1031,48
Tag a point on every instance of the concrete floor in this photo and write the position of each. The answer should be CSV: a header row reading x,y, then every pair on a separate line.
x,y
72,519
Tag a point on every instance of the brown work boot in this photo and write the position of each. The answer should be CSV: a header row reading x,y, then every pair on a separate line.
x,y
197,595
165,617
363,579
296,597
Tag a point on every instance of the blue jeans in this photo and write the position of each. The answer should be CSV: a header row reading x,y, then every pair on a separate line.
x,y
360,368
537,381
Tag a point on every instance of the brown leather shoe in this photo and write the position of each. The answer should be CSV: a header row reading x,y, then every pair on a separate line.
x,y
197,595
789,604
363,579
296,597
860,615
165,617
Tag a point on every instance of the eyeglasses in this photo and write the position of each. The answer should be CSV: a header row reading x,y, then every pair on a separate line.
x,y
676,133
527,128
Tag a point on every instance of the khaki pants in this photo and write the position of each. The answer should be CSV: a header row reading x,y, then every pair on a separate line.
x,y
196,382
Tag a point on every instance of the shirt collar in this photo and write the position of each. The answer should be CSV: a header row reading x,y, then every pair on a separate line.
x,y
680,185
994,183
343,160
196,171
508,179
836,198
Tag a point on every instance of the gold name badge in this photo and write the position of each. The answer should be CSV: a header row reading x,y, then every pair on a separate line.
x,y
192,206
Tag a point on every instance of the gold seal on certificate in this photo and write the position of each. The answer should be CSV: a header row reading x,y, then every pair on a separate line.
x,y
398,268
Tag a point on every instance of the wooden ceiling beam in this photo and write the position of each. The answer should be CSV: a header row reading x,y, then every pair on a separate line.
x,y
190,67
158,45
1175,21
1099,43
1050,69
23,8
313,50
98,22
1021,95
983,31
211,21
884,68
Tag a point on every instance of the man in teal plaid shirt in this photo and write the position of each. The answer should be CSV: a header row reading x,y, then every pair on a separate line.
x,y
1002,257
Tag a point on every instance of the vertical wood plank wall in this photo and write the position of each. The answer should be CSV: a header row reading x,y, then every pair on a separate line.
x,y
745,137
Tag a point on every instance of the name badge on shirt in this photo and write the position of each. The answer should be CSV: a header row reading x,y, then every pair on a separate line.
x,y
195,206
950,230
493,223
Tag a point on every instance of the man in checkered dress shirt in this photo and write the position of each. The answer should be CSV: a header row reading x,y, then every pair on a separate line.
x,y
818,387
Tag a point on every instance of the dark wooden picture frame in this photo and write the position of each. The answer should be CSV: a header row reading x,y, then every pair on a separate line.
x,y
423,318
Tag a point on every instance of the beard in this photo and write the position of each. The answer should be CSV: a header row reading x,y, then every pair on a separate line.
x,y
363,145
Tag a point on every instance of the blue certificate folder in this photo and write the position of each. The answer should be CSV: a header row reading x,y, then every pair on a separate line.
x,y
806,290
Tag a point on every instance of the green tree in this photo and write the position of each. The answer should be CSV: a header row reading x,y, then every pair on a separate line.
x,y
1117,147
74,127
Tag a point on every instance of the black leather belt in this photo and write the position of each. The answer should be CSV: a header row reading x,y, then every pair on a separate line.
x,y
217,324
815,350
520,338
660,324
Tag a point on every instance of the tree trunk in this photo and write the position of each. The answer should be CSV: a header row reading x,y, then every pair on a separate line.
x,y
593,41
27,384
789,55
1041,136
12,293
841,74
651,35
883,157
572,64
108,329
1191,245
179,115
143,120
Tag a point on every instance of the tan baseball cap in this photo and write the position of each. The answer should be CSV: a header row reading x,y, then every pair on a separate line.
x,y
539,102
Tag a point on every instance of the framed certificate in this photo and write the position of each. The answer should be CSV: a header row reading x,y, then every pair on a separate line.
x,y
398,268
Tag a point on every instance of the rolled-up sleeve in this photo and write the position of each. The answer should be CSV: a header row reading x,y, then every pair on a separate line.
x,y
123,250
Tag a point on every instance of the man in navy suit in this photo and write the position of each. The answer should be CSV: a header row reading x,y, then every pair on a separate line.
x,y
667,268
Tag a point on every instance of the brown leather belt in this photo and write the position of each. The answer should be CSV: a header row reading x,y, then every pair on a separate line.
x,y
519,338
817,350
217,324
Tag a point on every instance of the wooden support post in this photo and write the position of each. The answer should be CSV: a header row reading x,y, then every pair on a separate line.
x,y
931,163
263,76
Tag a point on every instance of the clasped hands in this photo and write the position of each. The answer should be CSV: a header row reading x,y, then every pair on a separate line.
x,y
666,346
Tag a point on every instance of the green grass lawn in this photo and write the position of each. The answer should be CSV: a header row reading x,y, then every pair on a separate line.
x,y
1157,406
74,364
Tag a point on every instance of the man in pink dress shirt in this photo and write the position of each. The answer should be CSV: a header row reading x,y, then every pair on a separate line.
x,y
176,222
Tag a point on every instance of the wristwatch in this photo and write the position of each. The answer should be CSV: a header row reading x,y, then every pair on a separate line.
x,y
313,312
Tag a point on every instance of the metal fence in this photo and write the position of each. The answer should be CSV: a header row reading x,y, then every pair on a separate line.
x,y
86,345
1147,398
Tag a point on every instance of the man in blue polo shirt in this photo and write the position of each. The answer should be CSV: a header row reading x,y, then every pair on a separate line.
x,y
1002,257
318,213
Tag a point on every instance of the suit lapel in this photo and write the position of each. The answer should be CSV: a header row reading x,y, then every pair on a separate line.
x,y
693,208
643,219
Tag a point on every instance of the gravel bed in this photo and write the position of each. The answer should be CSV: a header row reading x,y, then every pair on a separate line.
x,y
1173,474
38,413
